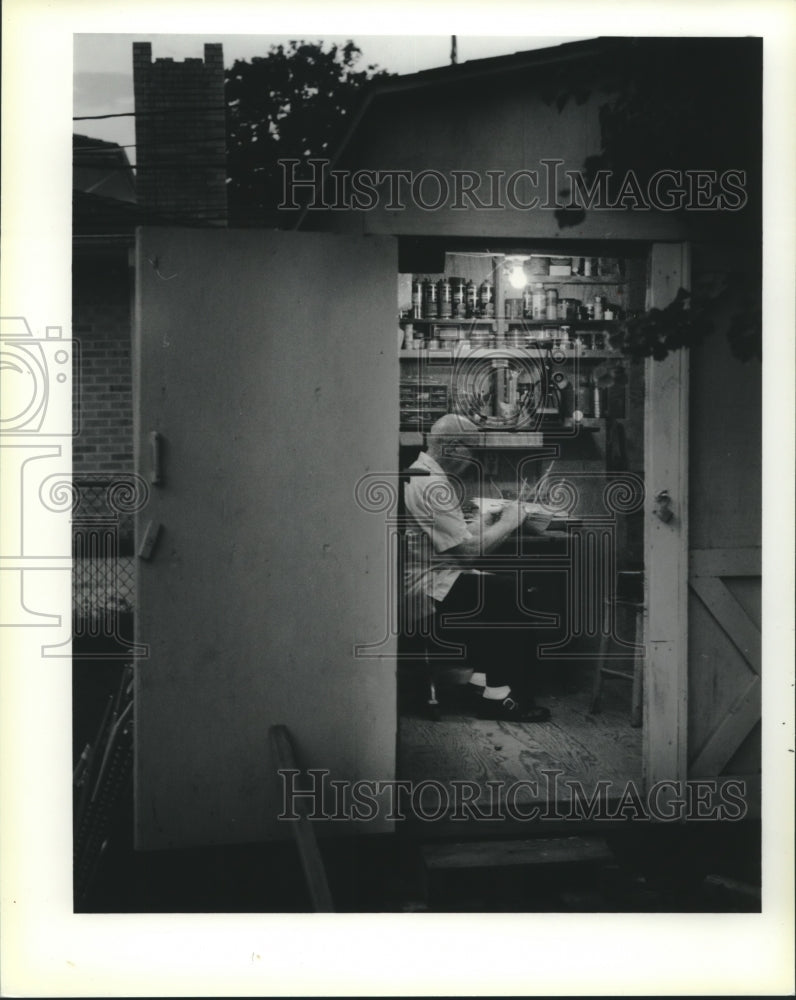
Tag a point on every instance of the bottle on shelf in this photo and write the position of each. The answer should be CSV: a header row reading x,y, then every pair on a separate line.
x,y
486,299
584,397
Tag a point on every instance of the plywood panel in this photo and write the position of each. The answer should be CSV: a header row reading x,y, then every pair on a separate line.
x,y
505,127
267,363
726,516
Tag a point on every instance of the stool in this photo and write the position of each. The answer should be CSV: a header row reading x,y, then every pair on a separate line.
x,y
419,676
630,584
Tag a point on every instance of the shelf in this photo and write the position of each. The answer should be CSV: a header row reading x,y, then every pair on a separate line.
x,y
573,324
472,320
574,279
586,324
444,354
511,439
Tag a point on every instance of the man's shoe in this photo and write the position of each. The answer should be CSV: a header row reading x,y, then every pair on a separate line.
x,y
511,710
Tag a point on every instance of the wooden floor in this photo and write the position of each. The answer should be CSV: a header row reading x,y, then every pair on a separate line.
x,y
586,748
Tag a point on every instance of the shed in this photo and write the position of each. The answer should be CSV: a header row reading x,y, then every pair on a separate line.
x,y
265,565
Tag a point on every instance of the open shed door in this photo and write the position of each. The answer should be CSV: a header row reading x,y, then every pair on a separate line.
x,y
266,366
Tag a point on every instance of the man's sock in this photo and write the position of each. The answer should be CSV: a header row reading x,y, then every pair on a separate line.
x,y
497,693
478,678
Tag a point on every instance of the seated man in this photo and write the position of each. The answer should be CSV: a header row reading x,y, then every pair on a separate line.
x,y
446,580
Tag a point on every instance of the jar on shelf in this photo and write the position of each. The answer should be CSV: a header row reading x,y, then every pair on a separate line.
x,y
444,298
598,306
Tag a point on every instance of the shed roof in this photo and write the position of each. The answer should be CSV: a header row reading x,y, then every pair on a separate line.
x,y
477,70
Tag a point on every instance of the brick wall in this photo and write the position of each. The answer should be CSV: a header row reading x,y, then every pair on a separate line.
x,y
181,136
101,322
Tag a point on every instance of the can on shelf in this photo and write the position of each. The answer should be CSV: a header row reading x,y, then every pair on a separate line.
x,y
470,300
539,265
417,297
457,298
538,302
429,299
608,267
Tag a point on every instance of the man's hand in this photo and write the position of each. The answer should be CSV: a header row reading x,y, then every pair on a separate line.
x,y
513,514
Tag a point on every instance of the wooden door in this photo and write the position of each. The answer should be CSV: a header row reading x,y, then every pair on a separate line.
x,y
265,363
666,541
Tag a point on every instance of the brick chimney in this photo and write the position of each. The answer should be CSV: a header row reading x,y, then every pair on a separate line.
x,y
181,137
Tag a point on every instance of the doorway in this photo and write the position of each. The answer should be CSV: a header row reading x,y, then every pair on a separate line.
x,y
524,340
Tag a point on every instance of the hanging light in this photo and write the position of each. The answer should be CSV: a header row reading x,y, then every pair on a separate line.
x,y
516,269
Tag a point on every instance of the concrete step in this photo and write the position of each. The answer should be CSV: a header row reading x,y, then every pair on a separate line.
x,y
545,851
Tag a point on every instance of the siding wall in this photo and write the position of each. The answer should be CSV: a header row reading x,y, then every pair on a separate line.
x,y
101,325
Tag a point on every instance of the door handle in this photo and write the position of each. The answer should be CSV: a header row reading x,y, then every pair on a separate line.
x,y
148,542
155,458
663,506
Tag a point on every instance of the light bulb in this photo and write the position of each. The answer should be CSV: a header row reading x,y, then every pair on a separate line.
x,y
517,275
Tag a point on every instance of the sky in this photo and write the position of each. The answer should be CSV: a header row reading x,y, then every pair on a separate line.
x,y
103,81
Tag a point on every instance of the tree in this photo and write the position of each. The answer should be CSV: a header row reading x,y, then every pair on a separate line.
x,y
295,102
680,104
